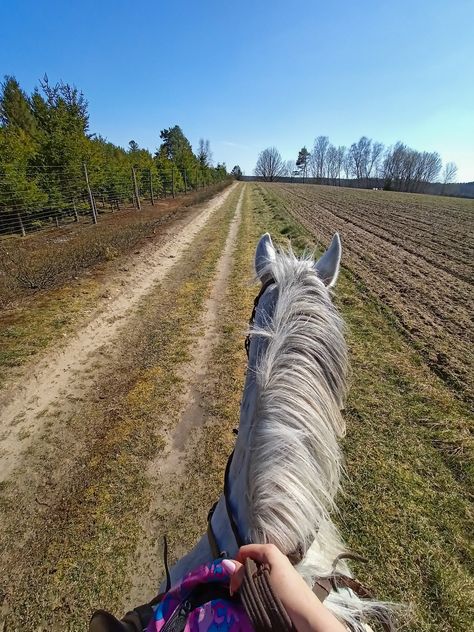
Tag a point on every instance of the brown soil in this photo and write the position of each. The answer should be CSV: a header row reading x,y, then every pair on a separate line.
x,y
415,253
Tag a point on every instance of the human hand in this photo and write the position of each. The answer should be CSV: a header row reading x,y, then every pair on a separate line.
x,y
305,610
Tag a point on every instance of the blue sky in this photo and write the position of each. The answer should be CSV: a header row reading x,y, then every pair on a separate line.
x,y
248,75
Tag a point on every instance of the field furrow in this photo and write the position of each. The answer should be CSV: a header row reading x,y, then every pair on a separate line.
x,y
427,288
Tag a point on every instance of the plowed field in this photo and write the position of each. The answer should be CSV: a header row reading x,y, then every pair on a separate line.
x,y
414,252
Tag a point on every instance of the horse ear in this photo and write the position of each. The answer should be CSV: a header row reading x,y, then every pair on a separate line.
x,y
327,267
264,255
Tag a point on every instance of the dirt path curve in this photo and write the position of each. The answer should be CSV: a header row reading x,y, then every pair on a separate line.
x,y
165,471
67,373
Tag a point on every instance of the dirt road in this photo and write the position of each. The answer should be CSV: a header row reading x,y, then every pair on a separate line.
x,y
167,471
66,418
68,373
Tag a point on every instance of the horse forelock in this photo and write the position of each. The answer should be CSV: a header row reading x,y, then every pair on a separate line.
x,y
300,377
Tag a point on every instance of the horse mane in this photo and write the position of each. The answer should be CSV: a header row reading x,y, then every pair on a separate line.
x,y
295,461
301,381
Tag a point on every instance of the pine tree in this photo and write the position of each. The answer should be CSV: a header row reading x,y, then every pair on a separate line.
x,y
236,172
302,161
15,108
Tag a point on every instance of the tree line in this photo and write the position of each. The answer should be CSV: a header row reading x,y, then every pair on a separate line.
x,y
45,140
398,167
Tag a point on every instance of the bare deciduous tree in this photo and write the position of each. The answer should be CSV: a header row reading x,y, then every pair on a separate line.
x,y
269,164
449,172
449,175
341,154
375,158
318,156
290,168
332,164
405,169
360,154
348,165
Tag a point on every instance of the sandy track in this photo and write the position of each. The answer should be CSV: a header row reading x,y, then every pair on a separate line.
x,y
68,372
165,471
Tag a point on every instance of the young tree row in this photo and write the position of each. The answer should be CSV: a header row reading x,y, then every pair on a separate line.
x,y
45,140
397,167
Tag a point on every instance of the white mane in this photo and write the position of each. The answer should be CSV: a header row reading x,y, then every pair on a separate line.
x,y
295,461
300,378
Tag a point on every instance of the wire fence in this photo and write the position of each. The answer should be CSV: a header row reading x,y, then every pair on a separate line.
x,y
40,198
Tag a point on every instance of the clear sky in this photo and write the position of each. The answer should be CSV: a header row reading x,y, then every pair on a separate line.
x,y
248,75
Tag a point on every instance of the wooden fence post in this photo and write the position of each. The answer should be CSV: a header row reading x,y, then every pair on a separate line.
x,y
172,180
137,198
76,217
151,190
185,183
20,221
91,197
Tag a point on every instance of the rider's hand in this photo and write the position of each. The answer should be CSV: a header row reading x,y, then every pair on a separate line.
x,y
305,610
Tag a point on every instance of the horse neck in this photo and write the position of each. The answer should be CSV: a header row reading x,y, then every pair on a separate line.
x,y
286,464
305,510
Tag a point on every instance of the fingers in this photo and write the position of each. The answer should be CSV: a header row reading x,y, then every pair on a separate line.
x,y
237,578
236,572
265,553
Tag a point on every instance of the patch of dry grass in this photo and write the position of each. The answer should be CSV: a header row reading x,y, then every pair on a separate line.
x,y
30,327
